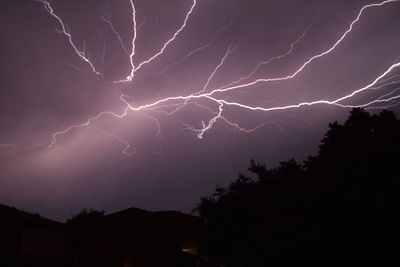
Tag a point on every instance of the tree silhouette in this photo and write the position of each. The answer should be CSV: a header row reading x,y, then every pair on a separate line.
x,y
340,206
85,216
76,226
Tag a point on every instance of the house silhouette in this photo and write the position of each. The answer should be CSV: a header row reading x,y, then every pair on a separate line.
x,y
132,237
27,239
135,237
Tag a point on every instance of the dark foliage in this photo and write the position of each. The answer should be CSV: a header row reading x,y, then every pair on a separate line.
x,y
75,228
85,216
339,207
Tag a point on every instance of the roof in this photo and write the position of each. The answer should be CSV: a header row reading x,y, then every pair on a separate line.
x,y
11,215
135,215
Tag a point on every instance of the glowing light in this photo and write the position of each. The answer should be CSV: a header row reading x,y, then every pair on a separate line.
x,y
81,53
161,51
313,58
328,102
130,77
87,123
385,79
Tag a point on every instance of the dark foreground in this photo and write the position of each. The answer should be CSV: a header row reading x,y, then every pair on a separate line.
x,y
132,237
340,207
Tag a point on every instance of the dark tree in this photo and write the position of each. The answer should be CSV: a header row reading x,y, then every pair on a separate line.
x,y
75,229
338,207
85,216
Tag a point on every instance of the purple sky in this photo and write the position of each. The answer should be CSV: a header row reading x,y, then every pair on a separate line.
x,y
46,88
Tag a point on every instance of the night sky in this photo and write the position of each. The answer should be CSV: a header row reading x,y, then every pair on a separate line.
x,y
73,136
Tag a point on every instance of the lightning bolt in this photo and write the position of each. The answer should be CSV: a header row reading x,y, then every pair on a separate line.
x,y
87,123
107,19
385,101
201,48
81,53
328,102
127,151
131,56
161,51
213,73
313,58
227,54
269,61
387,78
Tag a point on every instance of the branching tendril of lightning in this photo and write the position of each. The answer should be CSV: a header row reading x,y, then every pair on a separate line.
x,y
107,19
128,150
81,53
161,51
203,47
389,77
